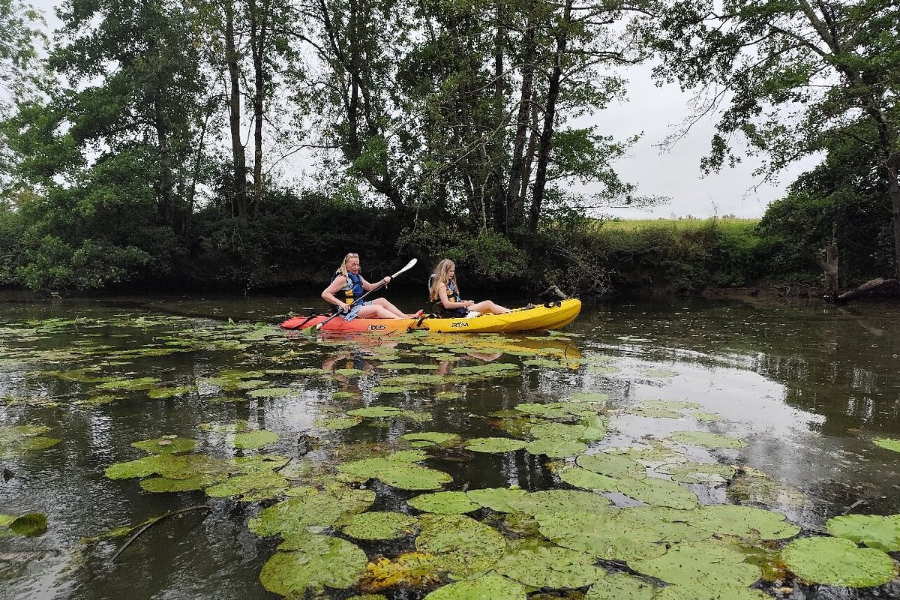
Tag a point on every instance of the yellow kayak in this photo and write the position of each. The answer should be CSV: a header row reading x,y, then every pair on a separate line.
x,y
551,315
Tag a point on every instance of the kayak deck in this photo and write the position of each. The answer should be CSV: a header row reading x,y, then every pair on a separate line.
x,y
552,315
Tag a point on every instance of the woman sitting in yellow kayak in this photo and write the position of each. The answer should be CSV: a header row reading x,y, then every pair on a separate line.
x,y
445,297
347,285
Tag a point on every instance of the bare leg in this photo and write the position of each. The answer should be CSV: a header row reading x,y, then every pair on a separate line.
x,y
382,302
486,306
376,311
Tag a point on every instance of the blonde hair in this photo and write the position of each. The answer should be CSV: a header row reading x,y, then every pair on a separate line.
x,y
441,278
347,258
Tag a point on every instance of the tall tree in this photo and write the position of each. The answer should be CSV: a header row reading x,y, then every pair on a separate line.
x,y
793,77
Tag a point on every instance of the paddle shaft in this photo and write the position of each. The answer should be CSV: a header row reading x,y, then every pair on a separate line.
x,y
408,266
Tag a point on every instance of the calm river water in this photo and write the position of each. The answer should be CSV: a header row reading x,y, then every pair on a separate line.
x,y
807,389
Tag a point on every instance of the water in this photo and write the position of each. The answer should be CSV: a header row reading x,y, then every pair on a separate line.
x,y
809,388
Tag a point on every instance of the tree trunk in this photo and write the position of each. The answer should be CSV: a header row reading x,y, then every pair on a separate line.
x,y
830,267
893,170
258,34
239,160
518,166
540,181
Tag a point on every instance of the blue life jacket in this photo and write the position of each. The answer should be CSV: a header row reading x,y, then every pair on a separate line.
x,y
353,286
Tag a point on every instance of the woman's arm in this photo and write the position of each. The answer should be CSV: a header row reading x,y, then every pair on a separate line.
x,y
442,294
334,287
371,286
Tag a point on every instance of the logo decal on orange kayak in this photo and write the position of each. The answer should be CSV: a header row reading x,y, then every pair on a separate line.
x,y
460,324
376,327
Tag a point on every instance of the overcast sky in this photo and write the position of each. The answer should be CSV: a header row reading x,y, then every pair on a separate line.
x,y
674,173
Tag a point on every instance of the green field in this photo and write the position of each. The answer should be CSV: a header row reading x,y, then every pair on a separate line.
x,y
681,224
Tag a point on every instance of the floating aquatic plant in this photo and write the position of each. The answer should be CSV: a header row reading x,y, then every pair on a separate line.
x,y
461,545
888,443
379,525
494,445
251,440
409,570
313,562
882,533
397,473
444,503
167,444
497,499
612,465
30,524
838,561
621,586
706,439
550,568
310,507
17,439
430,439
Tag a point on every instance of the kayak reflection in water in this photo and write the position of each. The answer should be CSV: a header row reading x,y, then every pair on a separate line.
x,y
446,299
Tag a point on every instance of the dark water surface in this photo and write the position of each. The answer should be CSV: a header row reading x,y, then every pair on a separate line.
x,y
807,387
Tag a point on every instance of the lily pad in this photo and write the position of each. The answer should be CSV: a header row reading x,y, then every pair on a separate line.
x,y
30,524
338,423
588,480
497,499
279,392
888,443
658,492
430,439
556,448
409,570
743,521
250,440
494,445
494,587
168,444
260,485
402,475
444,503
461,545
838,561
621,586
551,501
882,533
379,526
612,465
310,508
701,565
706,440
550,568
315,563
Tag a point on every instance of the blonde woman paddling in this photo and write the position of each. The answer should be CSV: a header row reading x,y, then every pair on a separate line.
x,y
446,299
348,285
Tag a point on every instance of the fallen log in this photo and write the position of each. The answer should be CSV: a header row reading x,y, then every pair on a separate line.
x,y
868,286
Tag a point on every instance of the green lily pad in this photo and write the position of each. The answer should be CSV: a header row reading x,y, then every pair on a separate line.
x,y
699,472
706,440
494,444
654,413
168,444
488,586
449,396
882,533
317,563
379,526
430,439
612,465
710,417
603,535
250,440
556,410
338,423
550,568
588,480
402,475
260,485
164,484
743,521
701,565
557,431
444,503
551,501
30,524
461,545
621,586
658,492
888,443
310,507
497,499
556,448
838,561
